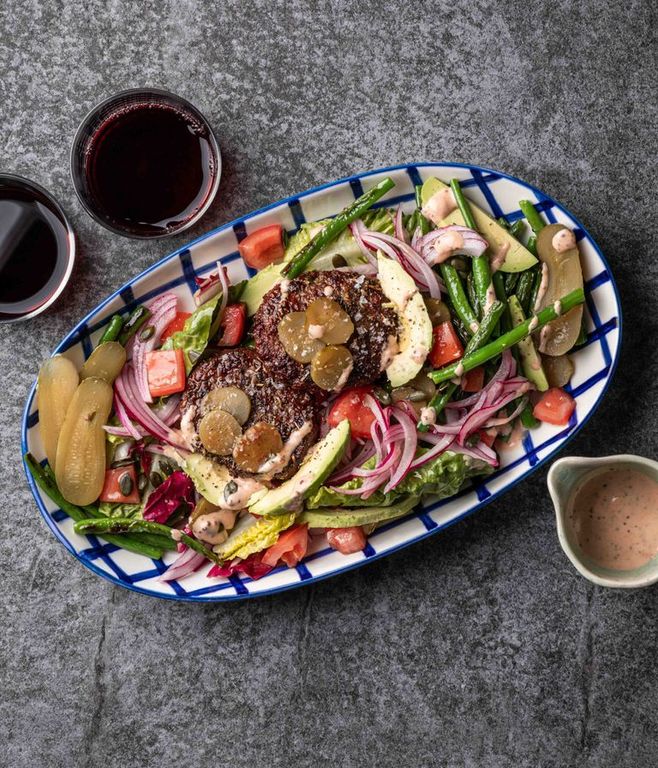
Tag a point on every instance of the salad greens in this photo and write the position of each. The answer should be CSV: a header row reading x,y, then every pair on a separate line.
x,y
441,477
196,333
252,535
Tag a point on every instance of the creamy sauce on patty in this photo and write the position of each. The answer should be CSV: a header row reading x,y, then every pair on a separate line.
x,y
613,514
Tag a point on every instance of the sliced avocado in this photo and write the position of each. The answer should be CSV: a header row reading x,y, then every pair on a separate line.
x,y
208,477
530,360
316,468
341,517
415,339
258,285
518,257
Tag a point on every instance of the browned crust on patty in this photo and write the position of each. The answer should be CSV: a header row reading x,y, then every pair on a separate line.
x,y
363,300
271,401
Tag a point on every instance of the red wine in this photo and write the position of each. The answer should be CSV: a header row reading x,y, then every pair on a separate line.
x,y
35,249
150,167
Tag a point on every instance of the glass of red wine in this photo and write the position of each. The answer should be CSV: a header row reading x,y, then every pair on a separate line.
x,y
37,249
145,163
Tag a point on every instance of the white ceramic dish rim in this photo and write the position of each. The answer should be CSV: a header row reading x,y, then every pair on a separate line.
x,y
562,437
560,495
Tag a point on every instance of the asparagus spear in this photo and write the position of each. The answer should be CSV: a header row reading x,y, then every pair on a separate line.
x,y
487,327
496,347
333,228
481,269
438,402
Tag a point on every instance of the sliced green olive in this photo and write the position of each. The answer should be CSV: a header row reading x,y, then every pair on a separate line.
x,y
202,507
331,367
564,275
295,339
218,432
558,370
327,320
80,463
58,380
256,445
437,310
105,362
230,399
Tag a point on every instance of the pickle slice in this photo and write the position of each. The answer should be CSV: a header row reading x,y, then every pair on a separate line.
x,y
256,445
295,339
105,362
80,463
218,432
230,399
58,380
327,320
331,366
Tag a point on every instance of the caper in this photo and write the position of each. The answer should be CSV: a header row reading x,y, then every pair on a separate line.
x,y
229,489
142,482
256,445
126,484
146,333
295,339
338,261
437,310
331,366
327,320
218,432
155,478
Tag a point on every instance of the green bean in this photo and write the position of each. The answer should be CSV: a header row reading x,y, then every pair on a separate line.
x,y
532,216
481,268
80,514
120,525
503,222
113,329
158,541
507,340
531,245
438,403
470,292
517,228
525,287
135,321
487,327
511,279
458,298
499,287
534,291
333,228
418,190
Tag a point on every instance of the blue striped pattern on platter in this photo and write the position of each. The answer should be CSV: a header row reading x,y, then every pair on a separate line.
x,y
496,192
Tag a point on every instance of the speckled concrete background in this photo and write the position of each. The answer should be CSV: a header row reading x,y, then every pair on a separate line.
x,y
481,647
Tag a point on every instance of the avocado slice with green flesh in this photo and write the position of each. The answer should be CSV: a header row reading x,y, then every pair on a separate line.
x,y
346,518
315,469
415,339
530,360
209,478
518,257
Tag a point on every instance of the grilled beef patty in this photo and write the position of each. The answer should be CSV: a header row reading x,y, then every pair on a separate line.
x,y
363,300
271,402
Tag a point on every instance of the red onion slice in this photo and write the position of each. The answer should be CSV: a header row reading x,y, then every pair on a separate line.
x,y
187,562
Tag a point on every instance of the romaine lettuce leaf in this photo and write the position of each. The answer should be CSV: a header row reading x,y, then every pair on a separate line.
x,y
196,333
442,477
252,534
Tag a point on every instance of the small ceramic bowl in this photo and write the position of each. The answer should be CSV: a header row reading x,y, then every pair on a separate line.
x,y
563,477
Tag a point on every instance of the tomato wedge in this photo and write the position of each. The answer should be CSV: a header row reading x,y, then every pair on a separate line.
x,y
488,436
290,547
232,325
555,407
350,405
446,346
165,369
347,541
175,325
263,247
473,381
114,479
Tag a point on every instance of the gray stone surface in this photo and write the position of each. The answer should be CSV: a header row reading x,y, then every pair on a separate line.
x,y
480,647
